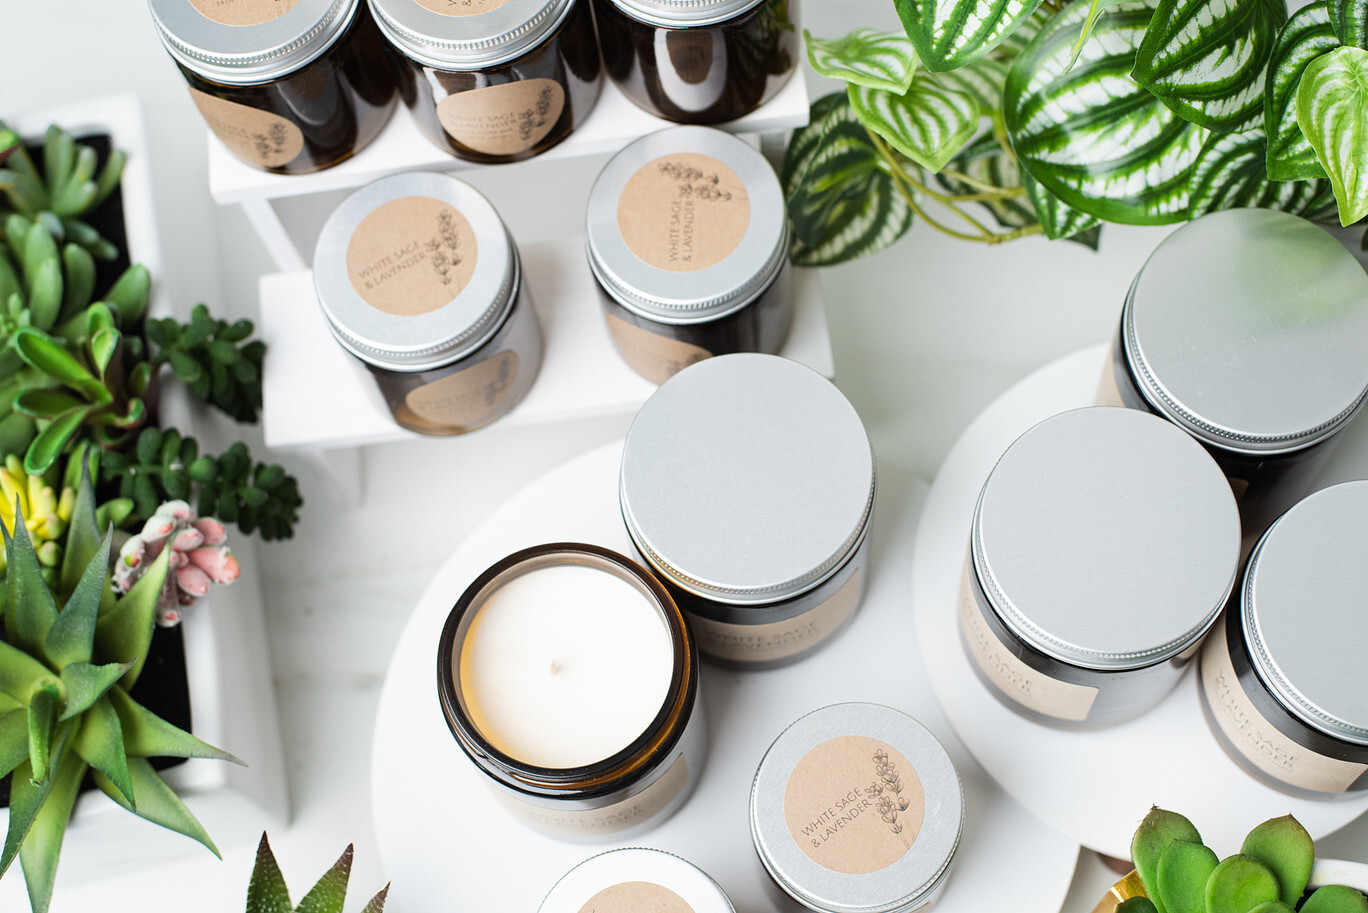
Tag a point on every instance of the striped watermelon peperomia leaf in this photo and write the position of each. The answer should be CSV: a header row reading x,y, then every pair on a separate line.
x,y
1332,110
929,123
1306,36
950,33
1351,22
879,60
1059,219
1230,174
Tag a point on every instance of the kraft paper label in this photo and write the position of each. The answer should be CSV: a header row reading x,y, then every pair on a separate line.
x,y
854,805
243,12
1257,740
683,212
780,639
655,357
460,7
258,137
596,822
505,119
411,256
636,897
467,397
1028,687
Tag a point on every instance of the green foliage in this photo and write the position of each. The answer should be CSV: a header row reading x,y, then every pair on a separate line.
x,y
1332,111
951,33
878,60
266,892
213,359
64,189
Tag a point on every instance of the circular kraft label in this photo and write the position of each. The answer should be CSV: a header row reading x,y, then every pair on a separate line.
x,y
411,256
854,805
257,137
636,897
243,12
460,7
467,398
505,119
683,212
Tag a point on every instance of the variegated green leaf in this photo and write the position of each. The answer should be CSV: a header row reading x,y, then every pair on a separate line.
x,y
929,124
1059,219
1230,174
1351,22
981,80
1332,110
879,60
950,33
1084,33
1206,58
1306,36
985,162
1012,46
842,202
1091,135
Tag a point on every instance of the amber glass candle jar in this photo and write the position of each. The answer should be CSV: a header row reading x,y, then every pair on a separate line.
x,y
699,61
493,80
419,279
289,86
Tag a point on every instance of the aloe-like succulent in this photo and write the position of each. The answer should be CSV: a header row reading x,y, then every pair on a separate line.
x,y
68,656
266,892
1268,875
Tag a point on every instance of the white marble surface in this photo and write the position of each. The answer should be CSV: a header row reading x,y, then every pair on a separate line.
x,y
924,336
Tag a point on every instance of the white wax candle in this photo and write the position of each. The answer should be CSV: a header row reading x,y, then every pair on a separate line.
x,y
565,665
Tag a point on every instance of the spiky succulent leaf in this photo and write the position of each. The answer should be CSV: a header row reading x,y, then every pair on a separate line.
x,y
26,798
146,735
42,723
1206,58
99,742
1351,22
1182,876
951,33
29,606
72,636
13,739
330,892
1287,849
879,60
1307,35
1156,833
1059,219
1230,174
86,683
19,672
1335,898
377,903
929,124
842,201
1091,135
40,851
1332,111
266,892
157,802
123,633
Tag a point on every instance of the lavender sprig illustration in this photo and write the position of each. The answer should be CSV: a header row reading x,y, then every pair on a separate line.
x,y
695,183
886,790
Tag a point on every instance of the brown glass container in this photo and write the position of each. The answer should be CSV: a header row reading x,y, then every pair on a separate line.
x,y
291,89
497,81
704,62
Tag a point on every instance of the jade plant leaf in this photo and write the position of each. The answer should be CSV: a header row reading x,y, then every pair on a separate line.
x,y
1182,876
266,892
1335,898
1136,905
146,735
40,852
123,633
46,403
1307,35
157,802
1238,884
930,123
1230,173
330,892
71,638
1351,22
842,201
950,33
53,439
1272,906
1332,111
865,57
1091,135
1156,833
99,742
1287,849
42,352
1206,59
1059,219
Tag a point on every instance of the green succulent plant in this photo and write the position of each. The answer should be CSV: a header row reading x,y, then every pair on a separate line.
x,y
266,893
1269,874
212,358
68,655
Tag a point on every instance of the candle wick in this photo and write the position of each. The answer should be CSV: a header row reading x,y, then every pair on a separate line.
x,y
555,668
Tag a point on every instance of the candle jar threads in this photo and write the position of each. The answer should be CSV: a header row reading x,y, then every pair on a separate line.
x,y
1284,683
701,62
1247,329
418,279
857,808
291,86
568,677
494,80
747,485
1103,545
688,239
636,880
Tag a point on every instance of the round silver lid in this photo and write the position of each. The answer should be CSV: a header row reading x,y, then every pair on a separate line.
x,y
747,479
467,34
1248,328
395,235
692,194
634,879
1305,611
685,13
875,857
244,42
1106,538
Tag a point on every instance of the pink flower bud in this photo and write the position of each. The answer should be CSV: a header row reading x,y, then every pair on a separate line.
x,y
212,530
187,539
219,563
193,581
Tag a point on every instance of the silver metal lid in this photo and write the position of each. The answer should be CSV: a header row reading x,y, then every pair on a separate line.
x,y
448,328
861,856
631,880
747,479
1106,538
685,13
247,41
482,34
1305,610
1248,327
641,213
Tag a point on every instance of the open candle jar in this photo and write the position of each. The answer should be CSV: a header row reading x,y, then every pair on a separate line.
x,y
1247,328
1284,679
567,675
636,880
1103,546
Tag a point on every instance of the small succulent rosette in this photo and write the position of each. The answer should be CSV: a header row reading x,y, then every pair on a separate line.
x,y
199,558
